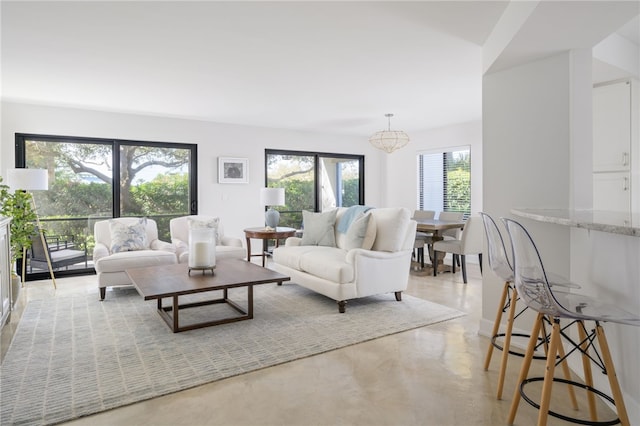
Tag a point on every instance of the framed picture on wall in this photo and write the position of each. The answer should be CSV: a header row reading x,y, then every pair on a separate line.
x,y
233,170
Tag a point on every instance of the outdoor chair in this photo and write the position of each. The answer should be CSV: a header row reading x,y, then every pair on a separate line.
x,y
61,252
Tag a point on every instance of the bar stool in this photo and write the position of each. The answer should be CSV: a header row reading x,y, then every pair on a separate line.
x,y
500,265
532,285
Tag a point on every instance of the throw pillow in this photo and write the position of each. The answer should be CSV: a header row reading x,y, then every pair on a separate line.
x,y
128,237
319,228
356,232
391,224
199,222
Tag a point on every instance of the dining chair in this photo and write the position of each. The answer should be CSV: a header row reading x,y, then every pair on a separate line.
x,y
422,238
535,290
451,234
470,242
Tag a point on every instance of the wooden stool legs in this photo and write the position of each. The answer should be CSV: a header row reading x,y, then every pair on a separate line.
x,y
507,343
555,348
496,324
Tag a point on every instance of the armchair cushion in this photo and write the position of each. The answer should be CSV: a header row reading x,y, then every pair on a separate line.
x,y
319,228
128,237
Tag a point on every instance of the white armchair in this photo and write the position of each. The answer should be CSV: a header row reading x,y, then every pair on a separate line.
x,y
124,243
226,247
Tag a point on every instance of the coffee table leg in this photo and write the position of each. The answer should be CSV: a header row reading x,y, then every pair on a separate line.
x,y
249,301
175,314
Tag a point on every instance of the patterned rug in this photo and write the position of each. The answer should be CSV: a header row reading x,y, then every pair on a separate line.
x,y
75,356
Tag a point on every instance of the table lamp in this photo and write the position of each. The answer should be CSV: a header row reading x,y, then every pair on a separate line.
x,y
272,197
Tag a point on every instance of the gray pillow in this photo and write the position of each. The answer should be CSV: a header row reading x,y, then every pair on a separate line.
x,y
319,228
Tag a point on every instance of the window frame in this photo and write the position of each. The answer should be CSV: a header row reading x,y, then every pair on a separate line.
x,y
420,177
316,170
21,159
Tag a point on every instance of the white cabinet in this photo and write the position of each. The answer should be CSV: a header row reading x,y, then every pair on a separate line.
x,y
616,146
612,127
5,272
611,192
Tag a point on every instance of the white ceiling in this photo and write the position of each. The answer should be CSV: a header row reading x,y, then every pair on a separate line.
x,y
314,66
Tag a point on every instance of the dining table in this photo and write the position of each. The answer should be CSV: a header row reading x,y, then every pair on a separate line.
x,y
436,227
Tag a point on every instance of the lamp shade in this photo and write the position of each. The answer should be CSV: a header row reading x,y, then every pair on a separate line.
x,y
28,179
272,196
389,140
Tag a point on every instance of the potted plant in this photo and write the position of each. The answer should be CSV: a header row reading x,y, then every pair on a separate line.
x,y
19,208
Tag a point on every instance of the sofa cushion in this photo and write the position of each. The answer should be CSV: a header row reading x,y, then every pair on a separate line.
x,y
391,224
128,237
118,262
290,255
319,228
328,263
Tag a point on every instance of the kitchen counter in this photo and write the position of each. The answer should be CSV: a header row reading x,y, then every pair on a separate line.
x,y
597,220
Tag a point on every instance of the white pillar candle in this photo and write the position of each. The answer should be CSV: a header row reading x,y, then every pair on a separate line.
x,y
200,255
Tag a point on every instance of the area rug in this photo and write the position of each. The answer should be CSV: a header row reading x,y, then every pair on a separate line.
x,y
75,356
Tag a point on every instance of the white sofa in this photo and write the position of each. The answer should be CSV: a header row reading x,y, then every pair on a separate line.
x,y
112,258
226,247
346,271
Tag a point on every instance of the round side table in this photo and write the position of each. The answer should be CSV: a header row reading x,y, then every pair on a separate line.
x,y
263,234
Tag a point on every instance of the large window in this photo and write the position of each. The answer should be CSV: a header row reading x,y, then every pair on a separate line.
x,y
444,180
94,179
314,181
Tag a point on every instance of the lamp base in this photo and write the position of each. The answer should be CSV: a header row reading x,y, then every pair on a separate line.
x,y
271,218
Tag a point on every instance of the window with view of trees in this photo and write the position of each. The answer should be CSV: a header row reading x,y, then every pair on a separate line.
x,y
314,181
94,179
444,180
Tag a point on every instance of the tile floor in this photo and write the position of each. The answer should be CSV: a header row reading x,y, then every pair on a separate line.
x,y
429,376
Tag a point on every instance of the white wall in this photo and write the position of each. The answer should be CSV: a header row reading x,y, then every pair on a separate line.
x,y
402,169
526,158
236,204
536,141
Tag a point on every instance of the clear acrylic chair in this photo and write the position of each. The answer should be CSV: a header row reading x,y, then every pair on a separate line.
x,y
533,287
501,266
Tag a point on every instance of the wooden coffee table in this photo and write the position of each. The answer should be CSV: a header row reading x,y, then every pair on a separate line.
x,y
173,281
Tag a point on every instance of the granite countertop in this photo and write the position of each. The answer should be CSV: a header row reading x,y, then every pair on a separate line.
x,y
597,220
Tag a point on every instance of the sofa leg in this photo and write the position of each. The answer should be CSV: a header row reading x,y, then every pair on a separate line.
x,y
399,296
103,292
342,306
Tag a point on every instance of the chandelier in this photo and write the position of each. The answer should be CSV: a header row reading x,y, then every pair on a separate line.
x,y
389,140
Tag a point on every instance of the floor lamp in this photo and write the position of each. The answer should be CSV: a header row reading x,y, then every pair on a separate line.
x,y
31,180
